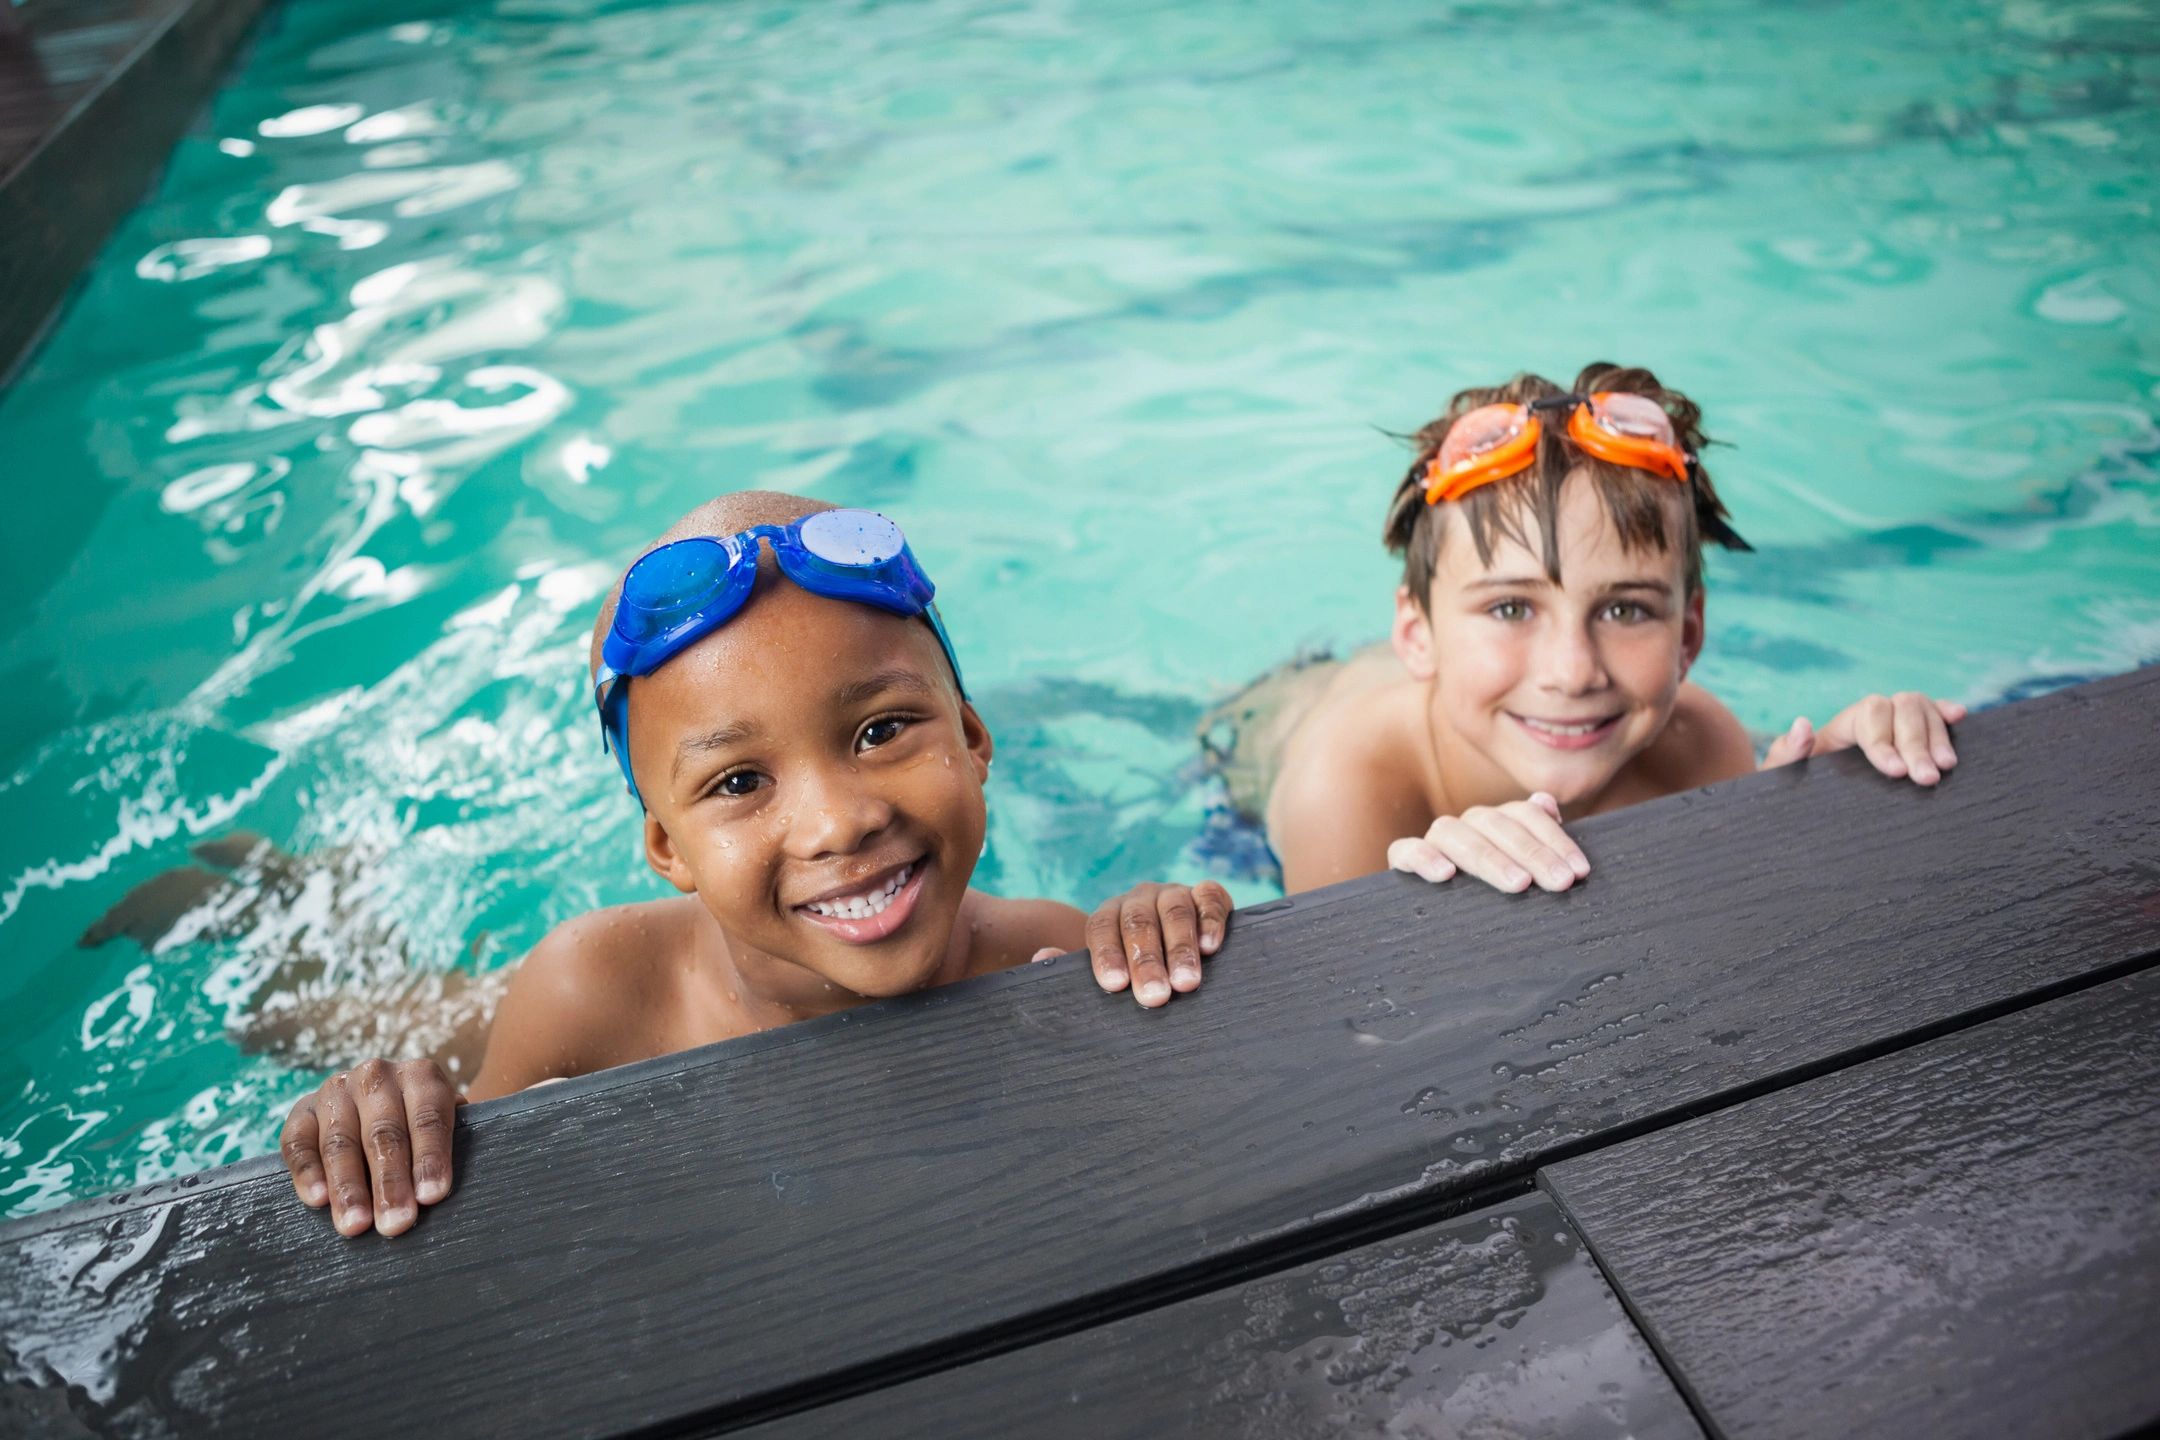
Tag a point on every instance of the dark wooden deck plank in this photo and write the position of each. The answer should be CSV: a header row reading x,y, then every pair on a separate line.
x,y
1959,1240
1494,1324
93,96
880,1195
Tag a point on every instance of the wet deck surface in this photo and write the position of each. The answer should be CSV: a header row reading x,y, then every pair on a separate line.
x,y
1824,1099
93,95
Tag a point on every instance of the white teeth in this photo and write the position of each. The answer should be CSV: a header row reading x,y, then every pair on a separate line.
x,y
1551,728
862,907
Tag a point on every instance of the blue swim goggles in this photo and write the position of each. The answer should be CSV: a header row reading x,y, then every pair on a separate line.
x,y
681,592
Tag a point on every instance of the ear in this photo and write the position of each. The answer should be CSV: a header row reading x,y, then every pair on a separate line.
x,y
1691,633
976,736
666,861
1412,635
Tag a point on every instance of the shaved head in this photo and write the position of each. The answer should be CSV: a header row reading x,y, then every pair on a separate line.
x,y
721,516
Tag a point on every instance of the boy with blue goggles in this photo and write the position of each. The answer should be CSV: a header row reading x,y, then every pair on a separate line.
x,y
820,827
676,594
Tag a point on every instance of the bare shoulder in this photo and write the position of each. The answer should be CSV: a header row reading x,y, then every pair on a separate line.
x,y
1351,782
1009,932
580,996
1356,734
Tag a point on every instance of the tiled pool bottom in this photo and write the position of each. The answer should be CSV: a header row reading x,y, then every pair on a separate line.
x,y
444,313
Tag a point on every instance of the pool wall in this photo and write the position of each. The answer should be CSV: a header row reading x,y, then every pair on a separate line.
x,y
93,95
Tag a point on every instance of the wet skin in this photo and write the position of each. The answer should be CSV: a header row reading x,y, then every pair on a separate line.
x,y
1575,691
814,790
851,764
1544,686
1503,685
1515,701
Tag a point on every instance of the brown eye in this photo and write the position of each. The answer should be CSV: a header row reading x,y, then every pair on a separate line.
x,y
738,783
1509,610
880,732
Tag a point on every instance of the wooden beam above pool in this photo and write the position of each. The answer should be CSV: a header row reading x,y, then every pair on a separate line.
x,y
761,1228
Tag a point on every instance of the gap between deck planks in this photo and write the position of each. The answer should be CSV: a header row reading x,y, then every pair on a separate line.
x,y
1496,1323
1959,1240
744,1230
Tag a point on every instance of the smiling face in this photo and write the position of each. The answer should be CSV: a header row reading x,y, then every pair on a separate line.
x,y
1544,685
812,774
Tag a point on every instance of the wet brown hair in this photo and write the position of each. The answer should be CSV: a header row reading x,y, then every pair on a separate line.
x,y
1634,500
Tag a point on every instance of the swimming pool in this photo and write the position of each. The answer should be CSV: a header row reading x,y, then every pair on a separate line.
x,y
442,314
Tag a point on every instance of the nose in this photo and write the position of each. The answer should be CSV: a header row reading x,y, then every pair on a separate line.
x,y
1569,662
836,810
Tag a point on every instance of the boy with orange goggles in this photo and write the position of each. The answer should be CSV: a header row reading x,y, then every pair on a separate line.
x,y
1551,607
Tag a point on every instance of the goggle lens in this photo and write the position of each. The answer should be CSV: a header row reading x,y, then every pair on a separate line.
x,y
851,537
670,584
1636,416
1480,432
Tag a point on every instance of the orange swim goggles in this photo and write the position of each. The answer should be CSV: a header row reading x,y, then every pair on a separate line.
x,y
1493,442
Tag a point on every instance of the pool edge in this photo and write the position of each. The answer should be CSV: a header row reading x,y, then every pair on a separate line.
x,y
100,153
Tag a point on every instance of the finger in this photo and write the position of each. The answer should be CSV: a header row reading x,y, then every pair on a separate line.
x,y
389,1148
1421,858
1179,918
1939,721
430,1119
1105,951
1876,733
1507,829
1047,953
1910,727
1797,743
1141,930
1214,903
344,1163
1473,851
297,1144
1541,817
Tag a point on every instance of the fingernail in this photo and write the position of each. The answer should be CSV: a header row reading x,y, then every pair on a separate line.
x,y
1186,975
355,1220
1517,878
317,1193
1114,979
1154,992
395,1219
1208,944
429,1187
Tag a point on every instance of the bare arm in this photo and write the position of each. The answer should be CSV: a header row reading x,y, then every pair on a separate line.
x,y
559,999
1011,932
1333,819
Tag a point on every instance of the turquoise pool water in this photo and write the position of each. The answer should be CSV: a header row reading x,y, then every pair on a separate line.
x,y
445,309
